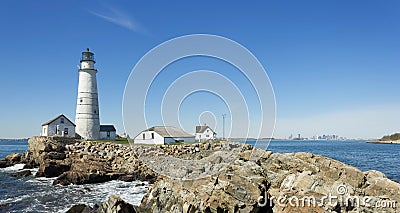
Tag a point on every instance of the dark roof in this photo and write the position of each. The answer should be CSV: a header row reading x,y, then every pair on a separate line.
x,y
107,128
170,132
54,119
201,129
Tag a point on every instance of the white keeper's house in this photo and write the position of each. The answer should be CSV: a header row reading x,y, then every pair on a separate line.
x,y
59,126
107,132
204,133
163,135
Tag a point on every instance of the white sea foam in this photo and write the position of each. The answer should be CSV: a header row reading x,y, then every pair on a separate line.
x,y
41,196
89,194
14,168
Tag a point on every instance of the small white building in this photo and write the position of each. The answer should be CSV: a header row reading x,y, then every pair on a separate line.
x,y
59,126
204,133
107,132
163,135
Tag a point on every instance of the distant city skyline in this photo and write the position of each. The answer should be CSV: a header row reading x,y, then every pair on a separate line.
x,y
334,66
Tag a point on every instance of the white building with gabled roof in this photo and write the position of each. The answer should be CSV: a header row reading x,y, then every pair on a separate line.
x,y
59,126
204,133
107,132
163,135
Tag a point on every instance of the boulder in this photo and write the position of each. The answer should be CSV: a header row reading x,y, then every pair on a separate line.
x,y
51,169
13,158
115,205
79,178
10,160
24,173
56,155
30,164
80,208
3,163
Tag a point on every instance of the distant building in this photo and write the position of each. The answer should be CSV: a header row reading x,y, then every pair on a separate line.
x,y
59,126
107,132
163,135
204,133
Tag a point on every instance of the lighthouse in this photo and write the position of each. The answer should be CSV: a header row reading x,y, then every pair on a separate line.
x,y
87,119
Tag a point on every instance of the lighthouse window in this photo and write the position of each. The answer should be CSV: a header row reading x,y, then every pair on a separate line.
x,y
95,111
81,100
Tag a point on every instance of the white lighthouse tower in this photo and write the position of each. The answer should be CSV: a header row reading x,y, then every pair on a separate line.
x,y
87,119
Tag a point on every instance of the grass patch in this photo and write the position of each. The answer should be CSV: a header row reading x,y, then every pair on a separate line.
x,y
118,141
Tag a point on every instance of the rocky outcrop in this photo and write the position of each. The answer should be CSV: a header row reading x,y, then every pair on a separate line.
x,y
10,160
79,178
275,182
80,208
216,177
82,162
305,174
52,169
236,189
114,204
24,173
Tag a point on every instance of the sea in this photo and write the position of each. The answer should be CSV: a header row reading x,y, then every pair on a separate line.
x,y
39,195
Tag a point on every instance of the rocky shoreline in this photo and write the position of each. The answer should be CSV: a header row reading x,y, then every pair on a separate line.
x,y
384,142
210,177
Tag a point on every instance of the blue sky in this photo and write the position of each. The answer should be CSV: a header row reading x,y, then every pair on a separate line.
x,y
334,65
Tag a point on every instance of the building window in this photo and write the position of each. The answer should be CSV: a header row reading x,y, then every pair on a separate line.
x,y
62,120
144,137
44,130
207,136
108,134
65,131
95,111
152,135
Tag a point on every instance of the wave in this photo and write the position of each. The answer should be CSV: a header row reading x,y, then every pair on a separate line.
x,y
14,168
39,195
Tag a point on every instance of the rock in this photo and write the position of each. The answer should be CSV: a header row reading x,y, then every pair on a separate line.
x,y
80,208
51,169
13,158
225,192
115,205
128,178
56,155
10,160
30,165
40,146
306,174
80,178
24,173
3,163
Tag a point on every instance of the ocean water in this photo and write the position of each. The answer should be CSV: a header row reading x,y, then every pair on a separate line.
x,y
38,195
